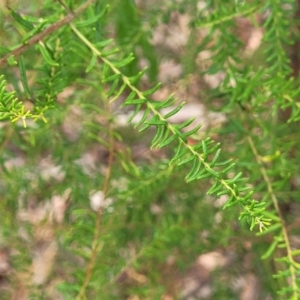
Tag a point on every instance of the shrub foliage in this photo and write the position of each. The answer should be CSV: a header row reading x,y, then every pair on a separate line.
x,y
70,69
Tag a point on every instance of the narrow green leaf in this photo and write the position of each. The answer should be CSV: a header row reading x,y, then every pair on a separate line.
x,y
245,188
124,61
186,160
253,223
174,111
204,148
283,259
98,139
223,163
138,76
192,175
185,124
282,246
152,90
270,250
160,131
135,102
23,76
92,63
4,50
11,60
236,190
167,141
144,127
214,160
271,215
258,204
90,21
142,120
296,252
102,44
180,135
225,170
111,78
180,152
216,189
212,187
113,87
224,192
47,57
26,24
118,93
130,97
270,228
282,274
170,100
235,178
156,121
105,71
203,175
213,173
194,130
107,53
34,31
213,148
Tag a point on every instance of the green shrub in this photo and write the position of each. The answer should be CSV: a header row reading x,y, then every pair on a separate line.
x,y
92,208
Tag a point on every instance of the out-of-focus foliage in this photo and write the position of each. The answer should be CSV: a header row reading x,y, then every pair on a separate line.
x,y
93,208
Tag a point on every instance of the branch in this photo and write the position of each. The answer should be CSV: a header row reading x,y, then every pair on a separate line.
x,y
35,39
279,213
95,244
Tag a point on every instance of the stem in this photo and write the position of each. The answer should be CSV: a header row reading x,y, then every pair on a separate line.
x,y
277,208
95,244
36,38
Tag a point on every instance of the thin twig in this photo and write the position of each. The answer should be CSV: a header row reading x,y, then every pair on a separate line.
x,y
95,243
36,38
279,213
